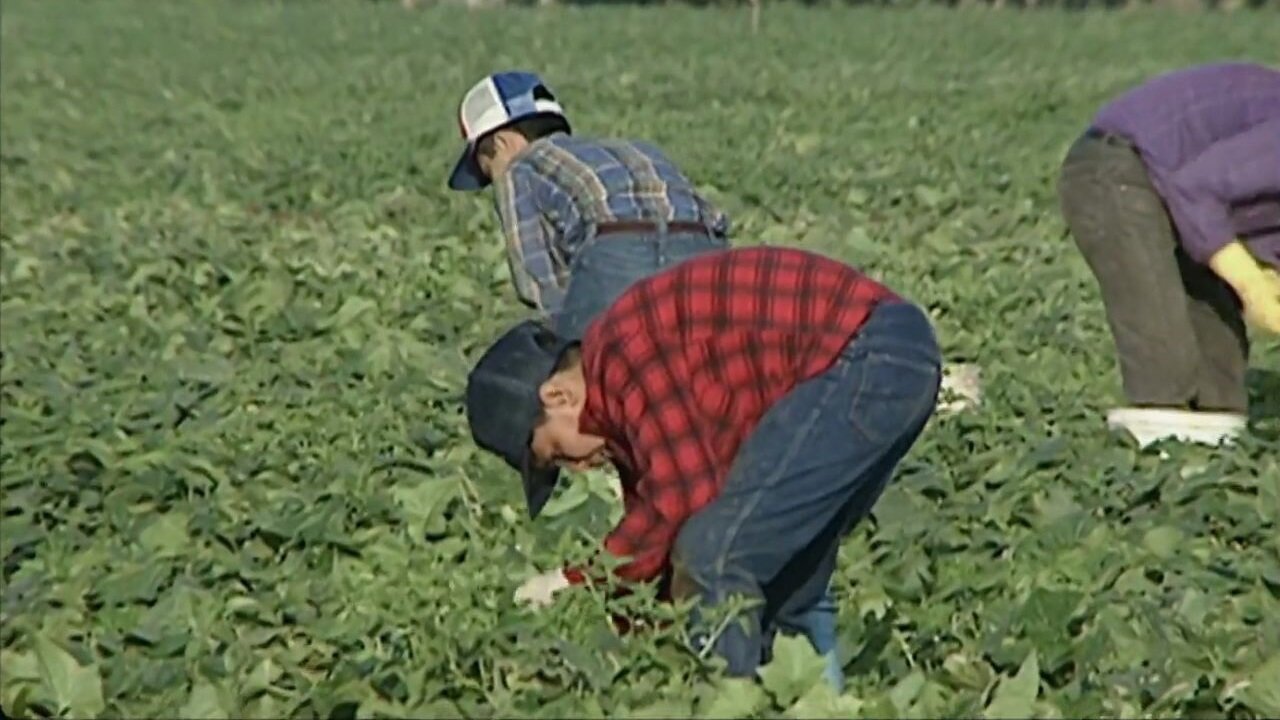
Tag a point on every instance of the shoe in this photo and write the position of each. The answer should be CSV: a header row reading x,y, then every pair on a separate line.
x,y
1147,425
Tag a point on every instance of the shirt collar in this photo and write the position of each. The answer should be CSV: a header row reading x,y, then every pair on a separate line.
x,y
523,152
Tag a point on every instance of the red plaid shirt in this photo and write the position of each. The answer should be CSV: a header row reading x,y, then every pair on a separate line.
x,y
683,365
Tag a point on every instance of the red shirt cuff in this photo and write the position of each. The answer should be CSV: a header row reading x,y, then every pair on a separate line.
x,y
582,576
575,576
623,625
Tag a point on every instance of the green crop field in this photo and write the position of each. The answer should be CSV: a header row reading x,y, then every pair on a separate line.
x,y
239,305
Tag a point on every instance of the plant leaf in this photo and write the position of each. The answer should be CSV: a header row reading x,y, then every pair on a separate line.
x,y
821,701
166,535
1015,696
734,698
795,668
205,701
76,690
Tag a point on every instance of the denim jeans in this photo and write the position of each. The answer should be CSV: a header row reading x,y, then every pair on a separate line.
x,y
812,468
606,266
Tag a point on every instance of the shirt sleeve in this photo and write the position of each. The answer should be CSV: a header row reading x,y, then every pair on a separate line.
x,y
582,574
644,536
530,249
1233,170
673,475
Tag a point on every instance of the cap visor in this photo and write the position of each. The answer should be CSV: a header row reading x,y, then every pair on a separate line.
x,y
538,486
466,174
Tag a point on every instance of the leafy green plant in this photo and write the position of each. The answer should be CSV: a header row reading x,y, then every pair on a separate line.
x,y
238,306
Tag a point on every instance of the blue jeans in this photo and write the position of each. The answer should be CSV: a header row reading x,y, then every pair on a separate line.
x,y
813,467
606,266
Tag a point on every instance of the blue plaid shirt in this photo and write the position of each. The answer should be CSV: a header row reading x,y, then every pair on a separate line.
x,y
559,188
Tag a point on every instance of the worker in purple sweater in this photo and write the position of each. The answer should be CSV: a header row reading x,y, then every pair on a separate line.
x,y
1173,197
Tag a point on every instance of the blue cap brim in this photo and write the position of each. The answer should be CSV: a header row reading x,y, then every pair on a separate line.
x,y
539,484
466,173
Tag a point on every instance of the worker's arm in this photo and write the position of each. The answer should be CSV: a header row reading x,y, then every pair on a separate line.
x,y
1257,287
531,250
1235,170
1238,267
1201,193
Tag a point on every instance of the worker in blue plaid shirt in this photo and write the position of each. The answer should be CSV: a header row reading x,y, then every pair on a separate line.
x,y
584,218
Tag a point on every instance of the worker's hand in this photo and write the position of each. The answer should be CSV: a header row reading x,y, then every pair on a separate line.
x,y
539,589
1258,287
1261,300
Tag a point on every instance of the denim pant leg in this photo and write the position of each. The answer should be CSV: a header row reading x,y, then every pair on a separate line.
x,y
818,623
606,266
812,468
808,606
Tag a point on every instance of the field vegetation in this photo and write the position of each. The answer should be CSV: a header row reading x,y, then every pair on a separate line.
x,y
239,304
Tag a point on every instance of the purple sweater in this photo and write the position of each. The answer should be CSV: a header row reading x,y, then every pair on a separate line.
x,y
1210,138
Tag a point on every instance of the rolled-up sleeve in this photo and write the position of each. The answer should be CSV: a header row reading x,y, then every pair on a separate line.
x,y
1234,170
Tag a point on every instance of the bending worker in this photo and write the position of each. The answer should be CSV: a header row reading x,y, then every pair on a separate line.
x,y
1173,197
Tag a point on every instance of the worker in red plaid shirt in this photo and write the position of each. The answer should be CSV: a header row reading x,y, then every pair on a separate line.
x,y
755,403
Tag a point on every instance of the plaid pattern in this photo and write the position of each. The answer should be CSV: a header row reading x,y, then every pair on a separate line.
x,y
561,186
684,364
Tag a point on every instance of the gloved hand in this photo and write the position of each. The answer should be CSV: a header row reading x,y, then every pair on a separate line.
x,y
539,589
1261,301
1257,287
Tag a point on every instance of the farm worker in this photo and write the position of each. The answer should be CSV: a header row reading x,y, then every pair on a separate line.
x,y
583,218
1173,197
755,403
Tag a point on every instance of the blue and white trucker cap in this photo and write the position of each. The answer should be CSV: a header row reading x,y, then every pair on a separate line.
x,y
493,103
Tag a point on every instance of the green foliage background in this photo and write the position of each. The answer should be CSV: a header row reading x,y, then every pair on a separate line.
x,y
238,306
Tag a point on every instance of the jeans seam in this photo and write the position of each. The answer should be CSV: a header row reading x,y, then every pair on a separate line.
x,y
721,556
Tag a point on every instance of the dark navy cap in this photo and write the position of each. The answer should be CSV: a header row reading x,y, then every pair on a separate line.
x,y
503,402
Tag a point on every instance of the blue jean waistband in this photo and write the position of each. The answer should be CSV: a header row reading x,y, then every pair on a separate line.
x,y
896,325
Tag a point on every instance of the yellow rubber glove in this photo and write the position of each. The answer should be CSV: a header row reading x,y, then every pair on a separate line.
x,y
1257,287
1266,309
